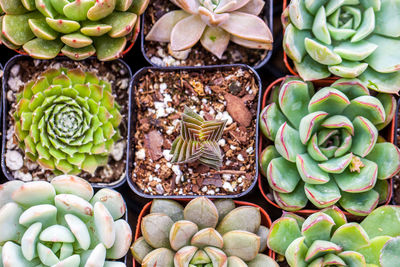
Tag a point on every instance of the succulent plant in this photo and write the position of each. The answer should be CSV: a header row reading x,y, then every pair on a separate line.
x,y
198,140
326,238
326,145
77,28
348,38
203,234
214,23
67,121
61,224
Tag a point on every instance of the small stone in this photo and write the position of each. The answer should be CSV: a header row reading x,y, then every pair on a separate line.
x,y
141,154
167,155
15,70
10,96
118,150
124,83
14,160
159,189
182,55
157,61
26,177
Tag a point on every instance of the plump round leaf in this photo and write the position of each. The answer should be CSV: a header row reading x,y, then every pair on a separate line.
x,y
390,253
123,239
140,249
156,228
296,252
217,256
282,175
282,233
159,255
293,201
323,195
309,170
70,184
169,207
207,237
68,203
348,69
202,212
336,165
387,217
262,260
245,218
352,88
7,189
242,244
317,226
288,143
34,193
45,213
337,215
293,42
319,248
372,251
112,200
79,230
309,125
353,258
271,118
360,204
387,157
310,69
365,136
321,53
329,100
359,238
181,233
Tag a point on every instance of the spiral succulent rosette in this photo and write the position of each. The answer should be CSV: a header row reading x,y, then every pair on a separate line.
x,y
62,223
214,24
203,234
77,28
351,38
67,121
326,238
326,146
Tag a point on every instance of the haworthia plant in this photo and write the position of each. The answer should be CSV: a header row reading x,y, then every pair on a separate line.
x,y
326,145
203,234
67,121
77,28
198,140
214,23
345,38
62,223
326,238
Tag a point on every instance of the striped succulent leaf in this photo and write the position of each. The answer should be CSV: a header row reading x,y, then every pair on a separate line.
x,y
198,140
67,121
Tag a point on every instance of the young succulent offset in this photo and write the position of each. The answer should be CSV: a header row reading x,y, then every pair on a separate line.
x,y
326,145
348,38
327,239
77,28
203,234
67,121
61,224
214,23
198,140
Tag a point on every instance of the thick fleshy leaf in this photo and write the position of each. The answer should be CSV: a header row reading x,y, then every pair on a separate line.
x,y
321,247
282,233
310,70
309,170
384,10
389,104
7,189
271,118
354,182
355,51
387,217
288,143
224,206
352,88
359,238
282,175
387,156
314,151
383,188
173,209
202,212
360,204
293,42
217,256
337,215
236,262
299,15
76,40
365,136
372,251
336,165
348,69
79,230
34,193
206,237
43,49
329,100
323,195
250,44
140,249
156,228
367,25
122,23
296,252
263,234
108,48
112,200
184,255
319,28
310,123
268,154
390,253
12,255
245,218
242,244
101,9
381,82
385,59
215,40
68,203
339,121
321,53
77,10
41,29
70,184
183,37
159,255
9,219
292,201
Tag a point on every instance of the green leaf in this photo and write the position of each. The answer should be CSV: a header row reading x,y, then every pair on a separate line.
x,y
282,233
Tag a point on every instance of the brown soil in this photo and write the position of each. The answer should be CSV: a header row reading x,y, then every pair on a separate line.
x,y
161,97
198,56
114,72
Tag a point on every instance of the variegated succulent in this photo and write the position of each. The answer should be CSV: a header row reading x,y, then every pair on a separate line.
x,y
203,234
326,145
198,140
350,38
77,28
214,23
67,121
61,224
326,238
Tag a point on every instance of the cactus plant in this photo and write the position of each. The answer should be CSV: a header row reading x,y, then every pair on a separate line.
x,y
203,234
214,24
198,140
326,145
62,224
67,121
78,28
326,238
345,38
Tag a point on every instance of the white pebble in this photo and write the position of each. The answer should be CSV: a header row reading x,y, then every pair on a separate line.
x,y
141,154
222,142
228,187
117,151
240,157
26,177
167,155
14,160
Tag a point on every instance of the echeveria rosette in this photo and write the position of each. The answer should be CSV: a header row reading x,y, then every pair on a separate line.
x,y
67,121
349,39
326,238
326,146
203,234
198,140
62,223
214,24
77,28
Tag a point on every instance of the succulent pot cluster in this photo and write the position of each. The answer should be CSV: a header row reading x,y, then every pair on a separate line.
x,y
344,38
78,29
326,238
62,223
202,234
325,146
214,24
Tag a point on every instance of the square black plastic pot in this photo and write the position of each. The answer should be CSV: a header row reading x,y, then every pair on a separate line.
x,y
268,18
5,108
133,119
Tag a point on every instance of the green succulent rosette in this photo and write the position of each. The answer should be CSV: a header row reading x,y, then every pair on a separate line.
x,y
77,28
350,38
326,238
62,223
203,234
326,146
67,121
